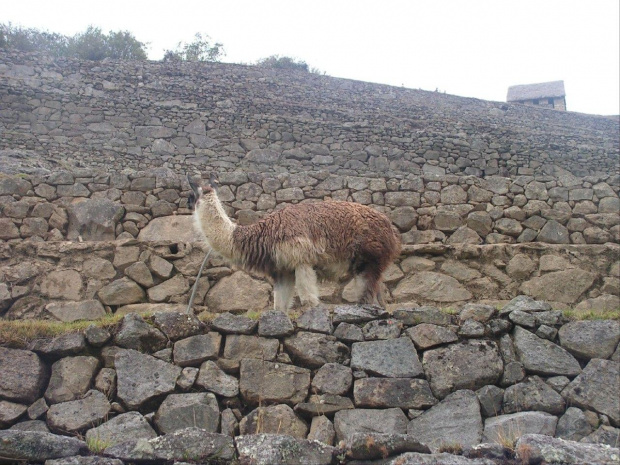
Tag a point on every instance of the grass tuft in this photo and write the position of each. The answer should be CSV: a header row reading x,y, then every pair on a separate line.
x,y
574,315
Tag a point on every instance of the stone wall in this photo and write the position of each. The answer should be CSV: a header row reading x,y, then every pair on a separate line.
x,y
417,381
115,115
87,205
71,281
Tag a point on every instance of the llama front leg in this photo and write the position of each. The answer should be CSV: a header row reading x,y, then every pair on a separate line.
x,y
305,282
283,291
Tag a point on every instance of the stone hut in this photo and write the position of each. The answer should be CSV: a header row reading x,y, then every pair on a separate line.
x,y
544,94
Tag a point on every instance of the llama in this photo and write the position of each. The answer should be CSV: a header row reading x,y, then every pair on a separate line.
x,y
292,246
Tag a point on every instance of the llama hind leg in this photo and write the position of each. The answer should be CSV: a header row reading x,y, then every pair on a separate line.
x,y
371,277
283,291
305,282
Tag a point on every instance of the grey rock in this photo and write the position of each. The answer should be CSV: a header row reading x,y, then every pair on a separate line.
x,y
604,435
228,323
37,409
542,357
192,443
187,378
31,425
477,312
78,460
394,358
229,424
533,394
178,325
142,377
565,286
174,286
94,219
324,404
61,346
140,273
238,347
97,336
467,365
317,320
349,332
526,304
369,446
546,332
161,267
550,318
73,311
455,420
10,412
250,294
596,388
426,335
135,333
262,381
77,416
322,430
522,318
357,313
541,448
553,233
106,381
130,425
416,316
37,446
179,411
513,373
212,378
573,425
490,398
71,378
417,458
431,286
588,339
273,420
393,392
315,349
276,449
123,291
471,329
332,378
558,382
508,428
194,350
348,422
22,375
382,329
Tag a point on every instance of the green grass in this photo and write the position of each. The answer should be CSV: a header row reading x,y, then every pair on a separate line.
x,y
96,445
574,315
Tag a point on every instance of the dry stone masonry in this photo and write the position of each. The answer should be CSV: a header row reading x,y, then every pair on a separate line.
x,y
168,387
508,215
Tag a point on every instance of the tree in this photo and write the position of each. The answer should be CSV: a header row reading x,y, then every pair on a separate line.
x,y
89,45
278,62
201,49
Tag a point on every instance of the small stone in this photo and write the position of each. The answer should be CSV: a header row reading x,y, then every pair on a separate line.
x,y
349,332
117,430
573,425
395,358
490,398
546,332
426,335
275,324
322,430
381,329
316,319
10,412
71,378
106,382
315,349
194,350
471,329
273,420
97,336
37,409
187,378
324,404
179,411
357,313
178,325
228,323
348,422
61,346
78,415
213,379
333,378
533,395
135,333
262,381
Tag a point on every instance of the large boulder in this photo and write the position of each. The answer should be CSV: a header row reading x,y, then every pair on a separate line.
x,y
393,392
466,365
543,357
588,339
431,286
175,228
94,219
560,286
142,377
71,378
596,388
22,375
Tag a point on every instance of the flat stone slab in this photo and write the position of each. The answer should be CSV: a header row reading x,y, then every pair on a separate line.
x,y
542,357
455,420
533,394
227,323
370,446
512,426
193,444
470,364
262,381
77,416
127,425
273,449
394,358
393,392
37,446
314,349
391,420
553,450
587,339
358,313
179,411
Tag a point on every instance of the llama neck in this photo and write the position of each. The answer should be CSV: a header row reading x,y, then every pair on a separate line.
x,y
215,224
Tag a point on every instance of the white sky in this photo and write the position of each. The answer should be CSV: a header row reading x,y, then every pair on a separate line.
x,y
472,48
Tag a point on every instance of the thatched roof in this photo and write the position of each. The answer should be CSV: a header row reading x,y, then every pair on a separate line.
x,y
534,91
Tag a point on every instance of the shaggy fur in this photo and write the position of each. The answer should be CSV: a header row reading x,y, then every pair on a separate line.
x,y
291,246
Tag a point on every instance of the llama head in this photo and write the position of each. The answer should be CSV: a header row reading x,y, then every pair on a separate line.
x,y
198,192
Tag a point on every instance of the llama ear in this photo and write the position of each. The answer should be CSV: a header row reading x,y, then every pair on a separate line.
x,y
214,180
195,187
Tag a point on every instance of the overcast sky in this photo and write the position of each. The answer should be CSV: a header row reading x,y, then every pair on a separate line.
x,y
472,48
